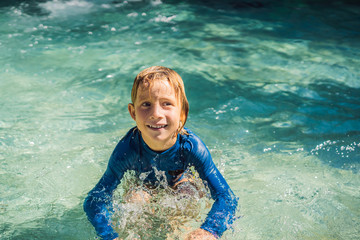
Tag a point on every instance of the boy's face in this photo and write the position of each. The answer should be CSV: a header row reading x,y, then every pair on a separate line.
x,y
157,112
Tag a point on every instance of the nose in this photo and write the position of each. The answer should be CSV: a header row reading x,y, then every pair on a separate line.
x,y
156,112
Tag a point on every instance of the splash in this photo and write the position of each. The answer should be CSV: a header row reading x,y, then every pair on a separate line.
x,y
58,8
167,214
342,154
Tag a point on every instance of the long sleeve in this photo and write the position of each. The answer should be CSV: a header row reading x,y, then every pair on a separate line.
x,y
97,205
222,213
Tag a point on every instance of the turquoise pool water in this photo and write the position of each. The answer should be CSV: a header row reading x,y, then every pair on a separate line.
x,y
274,91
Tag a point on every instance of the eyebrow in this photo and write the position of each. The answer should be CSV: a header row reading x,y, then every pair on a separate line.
x,y
140,98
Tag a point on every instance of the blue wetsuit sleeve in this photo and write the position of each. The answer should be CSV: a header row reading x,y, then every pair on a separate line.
x,y
222,213
98,203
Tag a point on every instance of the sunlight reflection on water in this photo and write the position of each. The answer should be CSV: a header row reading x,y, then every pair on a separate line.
x,y
273,92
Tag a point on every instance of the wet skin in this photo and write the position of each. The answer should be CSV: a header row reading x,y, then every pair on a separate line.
x,y
157,112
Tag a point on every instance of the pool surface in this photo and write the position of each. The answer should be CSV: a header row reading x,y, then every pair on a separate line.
x,y
274,92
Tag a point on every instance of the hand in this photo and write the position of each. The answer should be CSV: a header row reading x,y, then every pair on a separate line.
x,y
137,196
200,234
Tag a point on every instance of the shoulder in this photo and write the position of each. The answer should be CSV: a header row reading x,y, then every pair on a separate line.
x,y
128,143
131,133
193,144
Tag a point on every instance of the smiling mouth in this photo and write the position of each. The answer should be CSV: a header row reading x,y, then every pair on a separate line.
x,y
157,127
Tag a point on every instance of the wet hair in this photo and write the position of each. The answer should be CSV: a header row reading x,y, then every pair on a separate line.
x,y
151,74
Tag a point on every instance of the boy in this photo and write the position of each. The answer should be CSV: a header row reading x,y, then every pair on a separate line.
x,y
159,142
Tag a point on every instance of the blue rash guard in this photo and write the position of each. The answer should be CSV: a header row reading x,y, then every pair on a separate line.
x,y
132,153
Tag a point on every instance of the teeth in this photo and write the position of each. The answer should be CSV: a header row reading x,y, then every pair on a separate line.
x,y
162,126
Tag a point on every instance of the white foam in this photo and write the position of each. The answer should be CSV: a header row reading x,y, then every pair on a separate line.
x,y
58,8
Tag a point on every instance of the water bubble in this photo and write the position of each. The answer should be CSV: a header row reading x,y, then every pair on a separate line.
x,y
134,14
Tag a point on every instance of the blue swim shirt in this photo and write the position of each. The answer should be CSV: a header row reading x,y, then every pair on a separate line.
x,y
132,153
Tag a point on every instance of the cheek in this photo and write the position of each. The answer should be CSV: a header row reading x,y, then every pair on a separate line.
x,y
140,115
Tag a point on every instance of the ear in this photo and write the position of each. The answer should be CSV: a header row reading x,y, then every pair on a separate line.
x,y
182,119
131,109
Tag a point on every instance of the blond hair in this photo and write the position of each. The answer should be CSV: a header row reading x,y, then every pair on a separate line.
x,y
149,75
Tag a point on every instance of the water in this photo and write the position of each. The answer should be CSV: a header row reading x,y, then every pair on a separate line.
x,y
274,91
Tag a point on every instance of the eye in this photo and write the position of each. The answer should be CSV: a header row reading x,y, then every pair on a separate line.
x,y
145,104
168,104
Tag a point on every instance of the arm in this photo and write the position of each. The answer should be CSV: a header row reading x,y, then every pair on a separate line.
x,y
98,203
222,213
